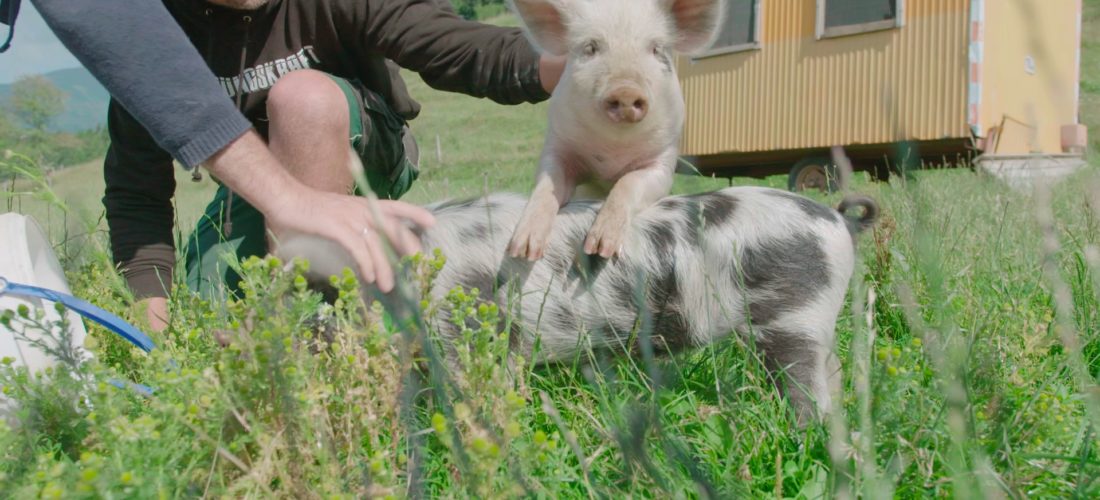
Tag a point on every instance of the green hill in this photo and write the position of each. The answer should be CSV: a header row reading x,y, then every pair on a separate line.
x,y
86,102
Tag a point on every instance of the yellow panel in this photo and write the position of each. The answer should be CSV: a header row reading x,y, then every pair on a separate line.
x,y
798,92
1031,98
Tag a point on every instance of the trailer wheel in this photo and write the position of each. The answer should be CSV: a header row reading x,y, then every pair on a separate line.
x,y
814,173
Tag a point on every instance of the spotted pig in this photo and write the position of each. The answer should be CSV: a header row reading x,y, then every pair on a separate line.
x,y
766,264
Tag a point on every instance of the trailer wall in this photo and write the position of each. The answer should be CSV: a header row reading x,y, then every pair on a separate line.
x,y
797,92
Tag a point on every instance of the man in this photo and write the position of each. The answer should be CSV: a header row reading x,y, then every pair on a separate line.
x,y
310,75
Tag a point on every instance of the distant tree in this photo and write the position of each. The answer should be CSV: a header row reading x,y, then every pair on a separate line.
x,y
36,101
466,8
469,8
7,129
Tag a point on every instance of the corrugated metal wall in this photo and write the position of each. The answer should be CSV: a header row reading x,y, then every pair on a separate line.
x,y
798,92
1030,73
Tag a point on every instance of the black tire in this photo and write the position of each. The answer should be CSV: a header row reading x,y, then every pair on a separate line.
x,y
814,173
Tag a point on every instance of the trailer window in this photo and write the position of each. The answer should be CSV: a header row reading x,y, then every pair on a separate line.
x,y
740,29
850,17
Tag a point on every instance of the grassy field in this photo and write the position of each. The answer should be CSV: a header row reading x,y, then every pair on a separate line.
x,y
79,192
970,347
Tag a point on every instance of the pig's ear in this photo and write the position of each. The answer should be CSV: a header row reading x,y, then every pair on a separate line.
x,y
545,22
697,23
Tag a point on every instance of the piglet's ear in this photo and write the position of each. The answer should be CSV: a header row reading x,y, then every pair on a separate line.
x,y
697,23
545,23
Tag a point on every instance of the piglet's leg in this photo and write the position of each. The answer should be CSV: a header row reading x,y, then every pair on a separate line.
x,y
554,186
633,192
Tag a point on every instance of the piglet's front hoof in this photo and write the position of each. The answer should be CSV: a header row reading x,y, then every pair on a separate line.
x,y
606,237
530,241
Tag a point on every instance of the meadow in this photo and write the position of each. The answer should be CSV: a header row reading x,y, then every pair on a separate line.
x,y
970,345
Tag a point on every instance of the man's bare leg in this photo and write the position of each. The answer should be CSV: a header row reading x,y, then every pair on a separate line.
x,y
309,128
309,133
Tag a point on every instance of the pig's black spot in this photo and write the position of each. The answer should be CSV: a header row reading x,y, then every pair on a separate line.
x,y
808,206
500,280
586,267
788,353
718,208
662,238
478,231
484,281
671,203
670,330
463,204
781,275
625,294
559,264
662,286
515,331
701,211
561,319
453,205
691,225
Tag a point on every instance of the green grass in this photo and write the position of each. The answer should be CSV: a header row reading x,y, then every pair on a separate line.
x,y
67,203
961,303
976,381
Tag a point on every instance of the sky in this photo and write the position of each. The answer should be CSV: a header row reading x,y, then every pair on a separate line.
x,y
35,49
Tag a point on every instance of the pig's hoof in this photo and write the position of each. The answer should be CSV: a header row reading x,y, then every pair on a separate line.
x,y
605,239
529,242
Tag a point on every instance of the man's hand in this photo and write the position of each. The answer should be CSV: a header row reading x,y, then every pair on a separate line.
x,y
357,224
550,71
248,168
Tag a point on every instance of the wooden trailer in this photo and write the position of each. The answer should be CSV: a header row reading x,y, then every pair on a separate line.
x,y
991,82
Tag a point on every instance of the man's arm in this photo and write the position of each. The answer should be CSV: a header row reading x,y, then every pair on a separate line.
x,y
453,54
139,53
356,223
143,58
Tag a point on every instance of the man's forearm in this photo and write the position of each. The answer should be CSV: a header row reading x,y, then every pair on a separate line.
x,y
550,71
248,168
290,207
454,54
141,55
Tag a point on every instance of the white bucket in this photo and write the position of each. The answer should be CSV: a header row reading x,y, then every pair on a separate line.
x,y
27,258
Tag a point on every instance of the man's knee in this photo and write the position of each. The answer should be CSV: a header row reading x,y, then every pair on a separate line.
x,y
307,95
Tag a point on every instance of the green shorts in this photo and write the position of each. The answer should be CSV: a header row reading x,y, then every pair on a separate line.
x,y
231,230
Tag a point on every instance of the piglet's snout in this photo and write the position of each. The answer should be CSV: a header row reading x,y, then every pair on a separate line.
x,y
626,104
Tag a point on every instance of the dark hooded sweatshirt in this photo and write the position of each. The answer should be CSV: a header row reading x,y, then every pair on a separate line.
x,y
250,51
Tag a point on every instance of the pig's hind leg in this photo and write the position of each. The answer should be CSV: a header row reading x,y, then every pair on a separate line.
x,y
802,364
